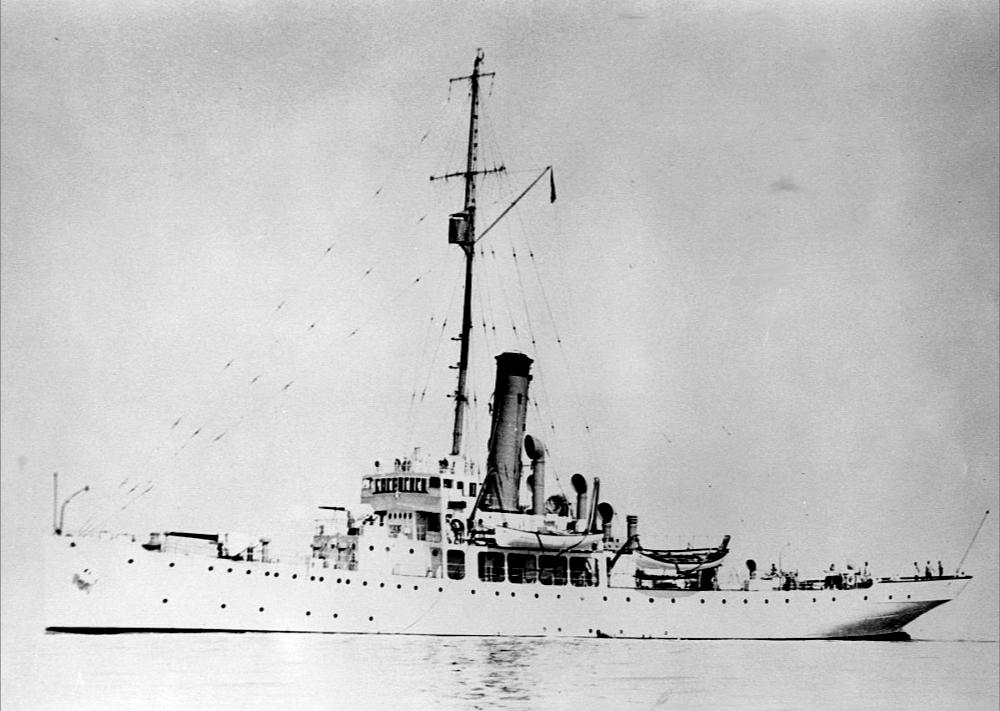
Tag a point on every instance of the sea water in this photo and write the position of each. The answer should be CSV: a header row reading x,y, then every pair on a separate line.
x,y
309,671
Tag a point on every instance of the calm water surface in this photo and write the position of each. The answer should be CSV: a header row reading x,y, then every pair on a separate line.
x,y
256,671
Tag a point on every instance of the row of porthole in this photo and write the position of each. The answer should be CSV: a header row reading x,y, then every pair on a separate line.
x,y
372,619
387,549
308,612
347,581
559,596
261,609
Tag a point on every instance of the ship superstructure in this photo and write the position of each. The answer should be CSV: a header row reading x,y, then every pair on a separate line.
x,y
439,546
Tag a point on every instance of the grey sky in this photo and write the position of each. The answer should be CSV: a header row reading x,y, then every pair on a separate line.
x,y
773,262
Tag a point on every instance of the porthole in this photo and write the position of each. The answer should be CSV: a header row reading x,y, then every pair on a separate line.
x,y
260,609
275,575
399,587
723,601
381,585
907,597
558,596
786,600
672,600
223,606
628,599
536,596
308,613
411,551
335,615
267,573
171,565
605,598
866,597
371,548
558,629
321,578
387,549
312,578
702,601
765,600
211,568
472,592
248,571
890,597
72,544
295,576
131,561
650,600
744,601
814,599
439,589
229,570
371,619
833,599
515,595
338,581
416,587
347,581
497,593
164,601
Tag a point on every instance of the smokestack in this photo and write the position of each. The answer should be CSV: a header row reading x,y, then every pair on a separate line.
x,y
580,487
510,407
535,449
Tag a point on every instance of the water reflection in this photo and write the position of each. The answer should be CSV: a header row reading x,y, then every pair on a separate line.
x,y
220,672
488,670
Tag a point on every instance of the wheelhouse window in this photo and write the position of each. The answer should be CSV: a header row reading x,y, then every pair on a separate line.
x,y
435,482
456,564
551,570
522,568
491,567
472,488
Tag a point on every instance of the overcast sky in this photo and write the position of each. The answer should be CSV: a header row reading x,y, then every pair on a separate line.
x,y
772,267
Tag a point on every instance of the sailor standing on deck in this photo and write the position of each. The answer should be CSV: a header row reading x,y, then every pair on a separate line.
x,y
927,570
916,569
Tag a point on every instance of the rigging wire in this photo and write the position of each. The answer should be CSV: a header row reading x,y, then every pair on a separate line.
x,y
270,386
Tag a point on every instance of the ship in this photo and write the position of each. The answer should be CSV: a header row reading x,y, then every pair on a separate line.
x,y
441,546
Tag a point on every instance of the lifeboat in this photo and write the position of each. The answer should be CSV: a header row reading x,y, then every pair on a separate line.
x,y
680,562
546,540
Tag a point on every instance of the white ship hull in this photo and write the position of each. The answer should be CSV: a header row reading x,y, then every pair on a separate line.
x,y
106,586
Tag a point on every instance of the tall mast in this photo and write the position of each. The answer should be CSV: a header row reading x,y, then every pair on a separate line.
x,y
469,247
462,231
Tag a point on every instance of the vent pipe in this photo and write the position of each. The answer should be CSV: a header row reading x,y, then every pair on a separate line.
x,y
607,512
535,449
579,484
632,530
